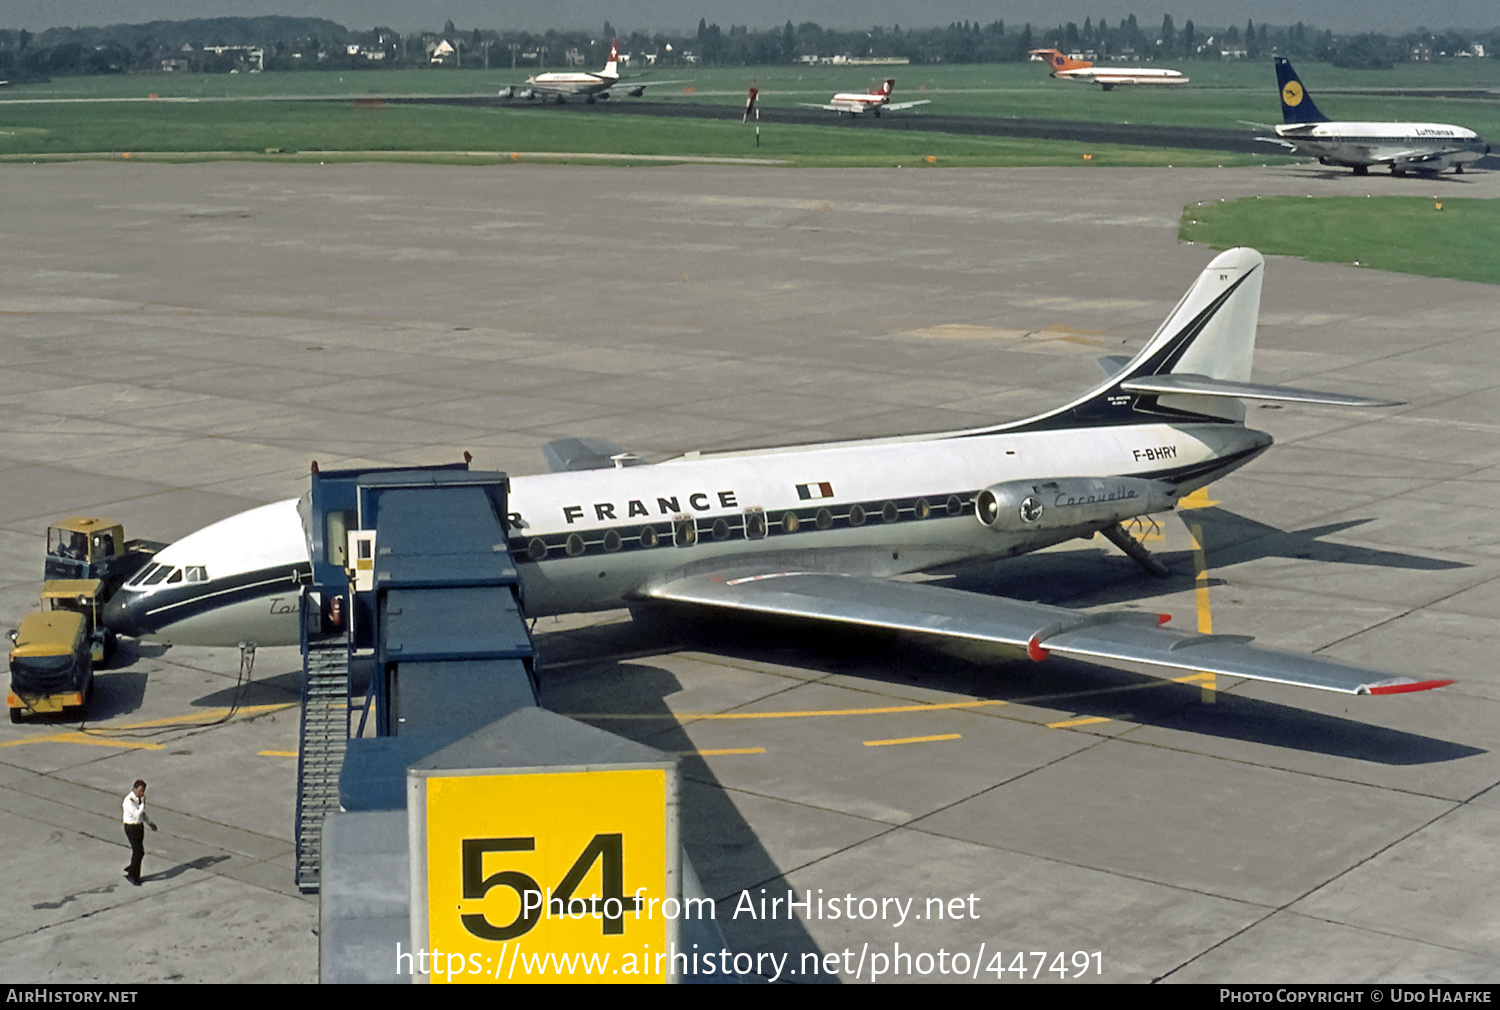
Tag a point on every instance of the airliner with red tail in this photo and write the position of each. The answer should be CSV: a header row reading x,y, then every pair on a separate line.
x,y
589,86
1065,68
875,101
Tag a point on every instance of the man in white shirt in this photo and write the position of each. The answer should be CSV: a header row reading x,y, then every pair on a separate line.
x,y
134,809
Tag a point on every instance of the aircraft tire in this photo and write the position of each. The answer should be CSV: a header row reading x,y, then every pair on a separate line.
x,y
1361,170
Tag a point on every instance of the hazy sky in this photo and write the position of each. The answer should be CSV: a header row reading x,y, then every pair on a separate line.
x,y
407,15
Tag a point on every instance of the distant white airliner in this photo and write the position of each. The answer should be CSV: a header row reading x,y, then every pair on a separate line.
x,y
875,101
1065,68
817,531
589,86
1405,147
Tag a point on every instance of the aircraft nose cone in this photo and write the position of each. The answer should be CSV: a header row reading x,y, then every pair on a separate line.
x,y
122,614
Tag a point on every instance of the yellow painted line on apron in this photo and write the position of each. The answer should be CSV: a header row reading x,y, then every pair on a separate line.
x,y
1205,616
1197,500
914,739
1092,721
887,710
204,717
721,751
276,753
73,736
101,737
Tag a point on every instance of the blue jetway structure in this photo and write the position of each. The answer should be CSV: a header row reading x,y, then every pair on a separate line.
x,y
413,622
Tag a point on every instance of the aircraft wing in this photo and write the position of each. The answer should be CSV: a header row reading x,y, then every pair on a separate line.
x,y
565,454
1415,157
1124,640
898,106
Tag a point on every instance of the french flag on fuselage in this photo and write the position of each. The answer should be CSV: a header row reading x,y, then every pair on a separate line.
x,y
812,492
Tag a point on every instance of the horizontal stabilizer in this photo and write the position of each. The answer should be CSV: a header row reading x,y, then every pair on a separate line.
x,y
1124,640
1202,385
586,454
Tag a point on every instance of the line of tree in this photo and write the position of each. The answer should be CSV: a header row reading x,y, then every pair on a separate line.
x,y
286,43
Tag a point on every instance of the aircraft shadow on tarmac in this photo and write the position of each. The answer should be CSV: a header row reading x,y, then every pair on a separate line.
x,y
988,672
629,701
277,690
1238,539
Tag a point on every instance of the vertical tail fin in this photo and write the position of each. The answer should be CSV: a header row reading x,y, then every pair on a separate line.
x,y
612,67
1210,333
1296,104
1209,336
1196,367
1057,61
888,87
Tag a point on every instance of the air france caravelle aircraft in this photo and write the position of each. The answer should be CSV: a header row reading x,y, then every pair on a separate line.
x,y
818,531
1405,147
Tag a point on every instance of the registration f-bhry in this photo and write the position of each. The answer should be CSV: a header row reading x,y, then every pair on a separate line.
x,y
817,532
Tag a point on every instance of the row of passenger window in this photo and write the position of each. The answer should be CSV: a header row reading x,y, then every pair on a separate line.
x,y
754,525
155,575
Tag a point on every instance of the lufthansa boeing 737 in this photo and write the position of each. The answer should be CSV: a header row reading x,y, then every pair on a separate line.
x,y
818,531
1405,147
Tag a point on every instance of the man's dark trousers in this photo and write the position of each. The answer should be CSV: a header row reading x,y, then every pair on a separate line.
x,y
137,835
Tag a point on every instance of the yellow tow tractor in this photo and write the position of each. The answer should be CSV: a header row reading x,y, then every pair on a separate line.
x,y
83,547
54,652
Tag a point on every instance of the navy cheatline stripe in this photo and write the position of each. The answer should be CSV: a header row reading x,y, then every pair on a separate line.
x,y
685,530
168,606
692,530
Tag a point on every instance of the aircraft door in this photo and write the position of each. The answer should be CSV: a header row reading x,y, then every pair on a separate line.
x,y
362,560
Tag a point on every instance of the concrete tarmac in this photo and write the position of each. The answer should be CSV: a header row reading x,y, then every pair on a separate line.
x,y
180,342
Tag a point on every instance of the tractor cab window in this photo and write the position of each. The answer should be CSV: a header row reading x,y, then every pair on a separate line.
x,y
67,544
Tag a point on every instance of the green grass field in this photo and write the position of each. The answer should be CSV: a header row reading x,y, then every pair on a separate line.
x,y
1405,234
1220,94
110,114
198,130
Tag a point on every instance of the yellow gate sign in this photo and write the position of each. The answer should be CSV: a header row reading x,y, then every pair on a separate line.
x,y
545,875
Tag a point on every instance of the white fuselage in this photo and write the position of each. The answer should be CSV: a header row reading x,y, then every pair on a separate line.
x,y
581,543
1112,78
1419,146
571,84
857,102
